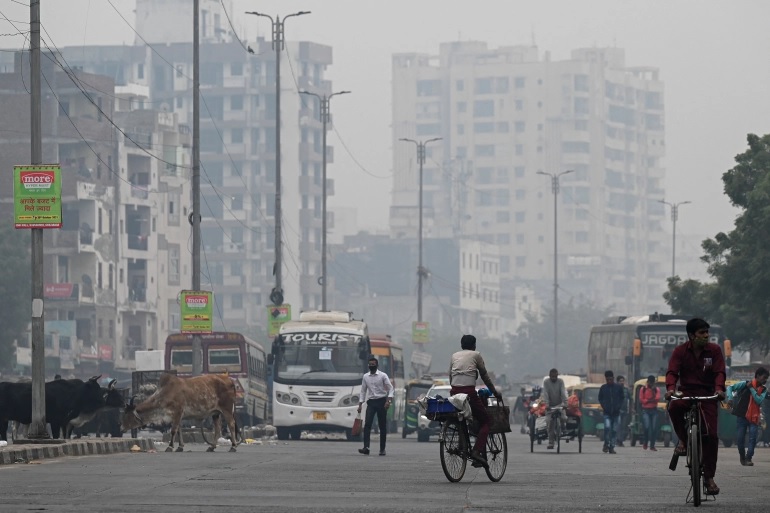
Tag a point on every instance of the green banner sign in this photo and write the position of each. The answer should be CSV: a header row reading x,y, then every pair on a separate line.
x,y
197,311
277,315
37,196
420,332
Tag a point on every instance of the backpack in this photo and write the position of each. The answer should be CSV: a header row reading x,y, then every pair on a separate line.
x,y
741,401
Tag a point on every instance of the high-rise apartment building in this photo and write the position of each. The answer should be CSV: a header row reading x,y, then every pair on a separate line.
x,y
238,146
505,115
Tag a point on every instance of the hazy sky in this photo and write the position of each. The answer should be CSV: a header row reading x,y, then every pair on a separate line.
x,y
714,58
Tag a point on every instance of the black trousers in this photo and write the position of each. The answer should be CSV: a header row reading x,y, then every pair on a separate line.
x,y
376,406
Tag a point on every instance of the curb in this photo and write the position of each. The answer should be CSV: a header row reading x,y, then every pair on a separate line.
x,y
29,452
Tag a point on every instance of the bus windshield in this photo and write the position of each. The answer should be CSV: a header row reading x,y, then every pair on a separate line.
x,y
313,356
658,344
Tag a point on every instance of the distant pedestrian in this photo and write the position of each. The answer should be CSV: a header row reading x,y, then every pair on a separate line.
x,y
649,397
611,399
377,392
623,423
746,398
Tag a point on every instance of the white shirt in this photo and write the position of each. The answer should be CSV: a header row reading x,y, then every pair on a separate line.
x,y
375,386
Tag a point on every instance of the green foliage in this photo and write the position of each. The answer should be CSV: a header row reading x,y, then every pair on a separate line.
x,y
739,261
15,289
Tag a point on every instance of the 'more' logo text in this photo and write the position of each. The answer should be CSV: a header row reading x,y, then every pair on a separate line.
x,y
36,180
197,301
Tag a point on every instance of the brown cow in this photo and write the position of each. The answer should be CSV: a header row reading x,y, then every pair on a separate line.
x,y
199,397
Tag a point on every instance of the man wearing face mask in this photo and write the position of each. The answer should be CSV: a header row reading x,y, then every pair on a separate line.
x,y
698,367
377,391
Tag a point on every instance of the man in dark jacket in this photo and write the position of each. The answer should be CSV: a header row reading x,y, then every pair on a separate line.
x,y
611,397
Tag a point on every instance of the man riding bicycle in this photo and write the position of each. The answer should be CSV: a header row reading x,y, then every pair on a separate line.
x,y
464,368
554,394
698,366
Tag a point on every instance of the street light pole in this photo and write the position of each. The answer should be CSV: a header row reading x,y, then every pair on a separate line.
x,y
324,119
276,295
195,217
674,218
555,190
421,273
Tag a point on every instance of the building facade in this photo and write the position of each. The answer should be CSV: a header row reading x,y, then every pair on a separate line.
x,y
505,115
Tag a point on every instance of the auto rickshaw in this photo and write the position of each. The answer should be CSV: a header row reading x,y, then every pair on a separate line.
x,y
636,428
414,389
727,423
593,416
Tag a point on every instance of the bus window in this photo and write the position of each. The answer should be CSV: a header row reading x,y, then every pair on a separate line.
x,y
181,359
224,359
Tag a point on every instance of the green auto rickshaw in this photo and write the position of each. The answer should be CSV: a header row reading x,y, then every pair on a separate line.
x,y
414,389
636,428
592,415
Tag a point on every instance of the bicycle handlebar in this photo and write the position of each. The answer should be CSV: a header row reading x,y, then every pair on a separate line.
x,y
695,398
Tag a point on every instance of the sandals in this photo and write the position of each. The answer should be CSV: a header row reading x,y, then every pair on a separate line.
x,y
712,490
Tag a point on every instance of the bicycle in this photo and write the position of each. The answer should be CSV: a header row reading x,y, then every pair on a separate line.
x,y
570,431
456,440
694,446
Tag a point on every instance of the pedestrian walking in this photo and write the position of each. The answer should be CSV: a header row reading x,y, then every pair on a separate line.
x,y
649,397
746,398
623,421
611,398
377,392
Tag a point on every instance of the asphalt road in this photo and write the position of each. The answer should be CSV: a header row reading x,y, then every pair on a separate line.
x,y
330,476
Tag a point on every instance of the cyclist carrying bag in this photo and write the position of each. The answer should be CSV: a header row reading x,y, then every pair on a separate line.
x,y
740,401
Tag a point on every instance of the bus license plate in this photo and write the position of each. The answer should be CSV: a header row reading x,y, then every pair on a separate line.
x,y
319,415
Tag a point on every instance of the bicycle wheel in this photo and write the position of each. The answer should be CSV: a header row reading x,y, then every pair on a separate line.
x,y
558,433
693,442
497,456
454,450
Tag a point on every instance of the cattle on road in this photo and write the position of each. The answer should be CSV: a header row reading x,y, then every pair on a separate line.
x,y
199,398
67,401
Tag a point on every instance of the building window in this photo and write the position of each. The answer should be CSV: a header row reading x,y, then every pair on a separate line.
x,y
484,150
519,82
236,69
236,136
462,106
520,217
179,71
236,301
520,126
236,102
99,282
173,265
483,108
100,328
140,71
518,171
460,85
111,279
483,85
111,329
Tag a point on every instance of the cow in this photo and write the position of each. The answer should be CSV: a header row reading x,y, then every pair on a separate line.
x,y
113,398
66,400
177,398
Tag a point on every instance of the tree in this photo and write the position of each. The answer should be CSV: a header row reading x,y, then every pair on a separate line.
x,y
739,261
15,289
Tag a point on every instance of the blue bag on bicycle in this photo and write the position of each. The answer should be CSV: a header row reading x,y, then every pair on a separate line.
x,y
440,405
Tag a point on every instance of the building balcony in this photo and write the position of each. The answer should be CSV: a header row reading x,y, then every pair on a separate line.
x,y
138,242
307,217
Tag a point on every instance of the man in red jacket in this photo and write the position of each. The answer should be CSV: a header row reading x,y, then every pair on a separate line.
x,y
698,366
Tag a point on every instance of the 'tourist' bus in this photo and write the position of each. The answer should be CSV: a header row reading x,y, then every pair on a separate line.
x,y
390,358
639,346
318,362
242,358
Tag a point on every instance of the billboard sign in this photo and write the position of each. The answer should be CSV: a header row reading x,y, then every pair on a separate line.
x,y
37,196
197,311
276,316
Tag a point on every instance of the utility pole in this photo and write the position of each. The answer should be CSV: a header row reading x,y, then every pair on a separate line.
x,y
37,429
195,215
674,218
324,119
555,190
421,271
276,295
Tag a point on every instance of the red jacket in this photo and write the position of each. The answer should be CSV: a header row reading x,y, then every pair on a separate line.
x,y
649,397
702,375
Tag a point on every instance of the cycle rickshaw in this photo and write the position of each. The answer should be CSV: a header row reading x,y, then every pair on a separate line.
x,y
538,430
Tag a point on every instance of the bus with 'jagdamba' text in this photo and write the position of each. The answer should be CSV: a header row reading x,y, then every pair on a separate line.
x,y
640,346
318,362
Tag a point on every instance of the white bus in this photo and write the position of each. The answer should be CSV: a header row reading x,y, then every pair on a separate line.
x,y
318,362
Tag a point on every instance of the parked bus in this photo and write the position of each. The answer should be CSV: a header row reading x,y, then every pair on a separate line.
x,y
390,357
640,346
243,359
318,362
